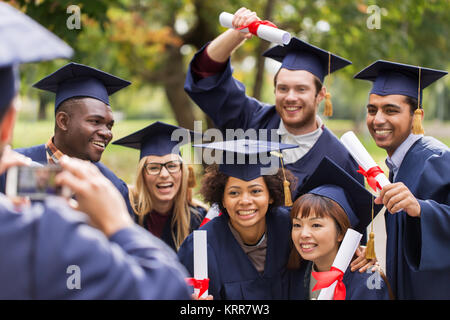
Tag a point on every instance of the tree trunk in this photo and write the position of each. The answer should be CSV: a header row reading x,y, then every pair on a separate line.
x,y
44,100
173,82
263,46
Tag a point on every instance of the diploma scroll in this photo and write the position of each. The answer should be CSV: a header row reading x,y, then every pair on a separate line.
x,y
343,258
200,259
362,157
268,33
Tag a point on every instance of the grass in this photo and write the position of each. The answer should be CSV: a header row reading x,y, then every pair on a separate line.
x,y
123,161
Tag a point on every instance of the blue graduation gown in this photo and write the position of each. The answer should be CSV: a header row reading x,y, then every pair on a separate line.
x,y
224,100
232,274
197,215
39,245
418,249
356,284
38,154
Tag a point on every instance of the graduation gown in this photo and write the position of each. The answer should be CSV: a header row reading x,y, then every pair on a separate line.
x,y
46,247
38,154
418,249
356,284
224,100
232,275
197,215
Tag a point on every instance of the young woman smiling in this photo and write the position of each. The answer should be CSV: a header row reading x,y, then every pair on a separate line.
x,y
161,197
248,245
331,202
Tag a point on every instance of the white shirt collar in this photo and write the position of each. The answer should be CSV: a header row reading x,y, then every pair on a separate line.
x,y
283,131
304,141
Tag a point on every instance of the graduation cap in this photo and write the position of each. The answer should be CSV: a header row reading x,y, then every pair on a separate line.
x,y
21,40
300,55
403,79
78,80
157,139
331,181
243,159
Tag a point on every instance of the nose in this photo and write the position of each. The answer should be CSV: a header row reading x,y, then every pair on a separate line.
x,y
305,233
105,133
245,199
291,95
379,118
164,172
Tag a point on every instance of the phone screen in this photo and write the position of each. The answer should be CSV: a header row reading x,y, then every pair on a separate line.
x,y
35,182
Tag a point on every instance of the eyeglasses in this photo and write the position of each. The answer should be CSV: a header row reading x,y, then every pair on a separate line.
x,y
154,168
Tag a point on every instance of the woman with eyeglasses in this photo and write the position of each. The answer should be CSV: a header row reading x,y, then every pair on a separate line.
x,y
161,195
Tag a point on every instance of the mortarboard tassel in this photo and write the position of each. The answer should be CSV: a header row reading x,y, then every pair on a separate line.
x,y
287,193
286,183
328,110
370,247
417,127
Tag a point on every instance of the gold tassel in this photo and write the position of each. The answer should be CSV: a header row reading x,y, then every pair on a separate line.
x,y
191,178
370,248
417,127
287,193
286,183
328,110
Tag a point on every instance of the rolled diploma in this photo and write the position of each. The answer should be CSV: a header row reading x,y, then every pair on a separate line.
x,y
200,258
361,156
343,257
271,34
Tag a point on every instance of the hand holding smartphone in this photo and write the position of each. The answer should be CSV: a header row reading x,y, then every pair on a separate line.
x,y
35,182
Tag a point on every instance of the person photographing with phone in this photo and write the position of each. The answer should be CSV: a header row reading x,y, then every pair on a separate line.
x,y
39,246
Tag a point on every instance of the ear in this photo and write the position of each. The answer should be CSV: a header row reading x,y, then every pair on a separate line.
x,y
321,94
270,200
7,125
340,237
62,120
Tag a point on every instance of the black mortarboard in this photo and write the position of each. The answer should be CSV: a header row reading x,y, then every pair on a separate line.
x,y
398,78
243,159
300,55
157,139
331,181
78,80
21,41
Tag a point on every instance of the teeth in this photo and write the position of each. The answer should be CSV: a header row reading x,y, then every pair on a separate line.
x,y
164,185
308,246
292,108
246,212
99,143
383,132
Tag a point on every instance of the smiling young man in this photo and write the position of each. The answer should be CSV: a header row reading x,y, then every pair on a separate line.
x,y
298,91
418,236
83,118
50,251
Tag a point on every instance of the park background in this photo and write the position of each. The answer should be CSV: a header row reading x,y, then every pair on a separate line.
x,y
151,42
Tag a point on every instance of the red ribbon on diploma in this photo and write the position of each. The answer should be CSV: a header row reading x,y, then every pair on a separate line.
x,y
202,284
370,175
253,26
327,278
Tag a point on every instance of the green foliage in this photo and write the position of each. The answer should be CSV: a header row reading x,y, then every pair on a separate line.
x,y
138,40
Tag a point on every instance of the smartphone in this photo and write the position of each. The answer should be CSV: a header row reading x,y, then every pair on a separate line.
x,y
36,182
